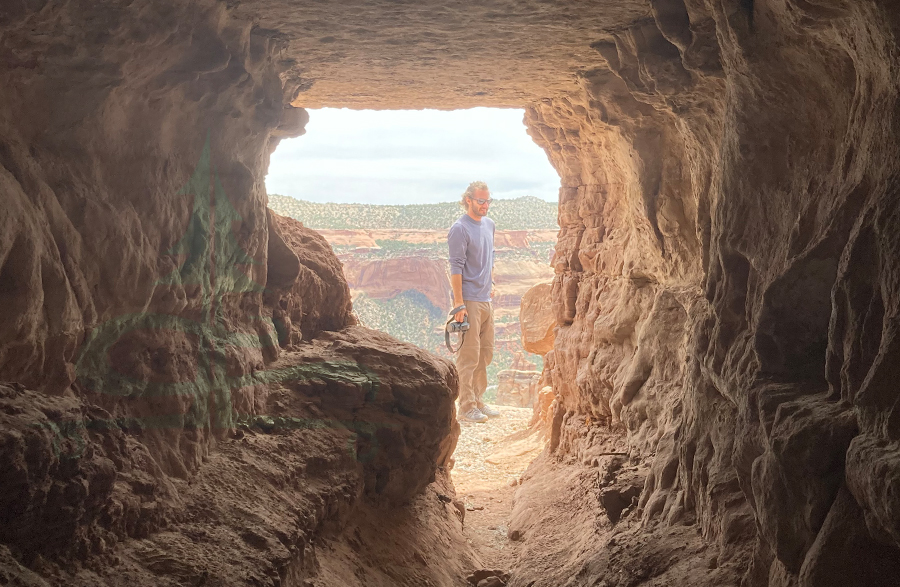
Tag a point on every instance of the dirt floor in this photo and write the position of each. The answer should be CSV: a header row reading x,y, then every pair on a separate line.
x,y
490,459
555,529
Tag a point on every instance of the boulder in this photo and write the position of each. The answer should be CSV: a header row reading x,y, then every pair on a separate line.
x,y
537,320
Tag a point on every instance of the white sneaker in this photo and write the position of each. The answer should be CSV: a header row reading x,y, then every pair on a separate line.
x,y
475,415
489,411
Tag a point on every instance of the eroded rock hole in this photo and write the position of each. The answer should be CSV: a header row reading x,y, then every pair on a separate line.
x,y
186,396
384,188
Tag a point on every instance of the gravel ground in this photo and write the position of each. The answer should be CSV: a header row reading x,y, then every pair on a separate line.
x,y
477,442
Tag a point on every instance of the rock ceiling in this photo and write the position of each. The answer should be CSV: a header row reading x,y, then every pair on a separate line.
x,y
436,54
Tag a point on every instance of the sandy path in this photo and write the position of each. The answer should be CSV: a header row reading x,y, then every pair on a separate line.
x,y
489,460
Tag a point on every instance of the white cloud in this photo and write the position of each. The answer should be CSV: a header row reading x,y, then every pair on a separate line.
x,y
410,156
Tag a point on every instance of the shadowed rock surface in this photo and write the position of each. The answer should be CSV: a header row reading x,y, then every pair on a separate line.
x,y
722,285
726,292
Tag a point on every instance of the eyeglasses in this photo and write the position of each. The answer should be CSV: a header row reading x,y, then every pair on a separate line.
x,y
481,202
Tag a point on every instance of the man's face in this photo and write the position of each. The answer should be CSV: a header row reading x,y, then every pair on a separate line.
x,y
480,209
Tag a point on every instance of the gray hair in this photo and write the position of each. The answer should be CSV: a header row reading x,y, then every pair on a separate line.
x,y
470,192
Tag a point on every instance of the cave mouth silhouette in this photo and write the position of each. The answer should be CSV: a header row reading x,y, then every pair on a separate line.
x,y
352,169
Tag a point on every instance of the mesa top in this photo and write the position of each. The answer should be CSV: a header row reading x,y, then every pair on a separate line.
x,y
471,245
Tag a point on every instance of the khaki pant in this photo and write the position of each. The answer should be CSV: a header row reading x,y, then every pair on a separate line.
x,y
475,355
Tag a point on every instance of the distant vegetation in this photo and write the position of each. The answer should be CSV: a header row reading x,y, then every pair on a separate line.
x,y
525,213
408,316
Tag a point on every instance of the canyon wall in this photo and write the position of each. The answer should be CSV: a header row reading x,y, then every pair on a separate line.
x,y
385,278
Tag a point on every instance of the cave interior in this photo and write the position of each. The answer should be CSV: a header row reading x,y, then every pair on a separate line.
x,y
186,398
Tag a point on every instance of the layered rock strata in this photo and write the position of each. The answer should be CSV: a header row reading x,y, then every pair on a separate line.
x,y
385,278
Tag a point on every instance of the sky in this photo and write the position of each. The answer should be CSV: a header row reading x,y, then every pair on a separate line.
x,y
410,157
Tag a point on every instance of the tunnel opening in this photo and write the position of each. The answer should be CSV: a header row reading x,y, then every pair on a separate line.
x,y
727,216
383,188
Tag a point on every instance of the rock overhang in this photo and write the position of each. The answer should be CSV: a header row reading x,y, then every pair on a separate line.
x,y
433,54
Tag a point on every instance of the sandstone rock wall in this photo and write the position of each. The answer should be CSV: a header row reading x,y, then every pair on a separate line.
x,y
538,319
135,233
722,277
189,401
100,142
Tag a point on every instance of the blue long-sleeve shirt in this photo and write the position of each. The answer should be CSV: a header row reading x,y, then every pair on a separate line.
x,y
471,244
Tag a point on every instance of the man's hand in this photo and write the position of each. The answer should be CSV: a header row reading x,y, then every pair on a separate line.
x,y
493,291
461,314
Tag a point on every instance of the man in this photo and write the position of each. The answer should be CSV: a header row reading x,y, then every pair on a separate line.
x,y
471,243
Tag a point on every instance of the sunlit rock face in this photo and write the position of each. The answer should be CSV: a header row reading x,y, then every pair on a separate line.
x,y
538,319
725,291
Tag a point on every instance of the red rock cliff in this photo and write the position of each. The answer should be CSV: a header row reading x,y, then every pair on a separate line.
x,y
385,278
